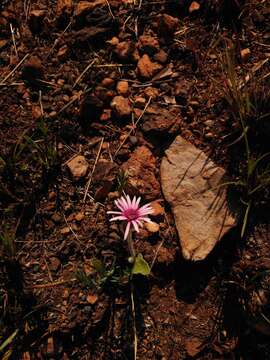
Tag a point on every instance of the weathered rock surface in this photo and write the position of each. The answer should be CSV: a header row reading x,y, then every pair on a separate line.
x,y
64,6
147,68
189,183
141,170
121,106
83,7
122,88
160,121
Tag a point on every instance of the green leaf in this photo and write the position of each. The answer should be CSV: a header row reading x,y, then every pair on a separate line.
x,y
98,266
8,340
141,266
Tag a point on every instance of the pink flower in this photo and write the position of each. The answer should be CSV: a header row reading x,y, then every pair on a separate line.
x,y
131,212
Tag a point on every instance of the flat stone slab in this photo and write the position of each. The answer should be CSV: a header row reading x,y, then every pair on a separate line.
x,y
190,185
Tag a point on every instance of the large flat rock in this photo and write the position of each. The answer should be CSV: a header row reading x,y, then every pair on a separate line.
x,y
190,184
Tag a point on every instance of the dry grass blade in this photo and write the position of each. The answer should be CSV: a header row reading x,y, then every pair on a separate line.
x,y
93,170
13,39
77,81
110,10
13,71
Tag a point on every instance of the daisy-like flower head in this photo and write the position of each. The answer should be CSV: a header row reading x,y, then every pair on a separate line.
x,y
130,211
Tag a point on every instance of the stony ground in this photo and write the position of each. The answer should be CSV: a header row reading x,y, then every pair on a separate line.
x,y
92,93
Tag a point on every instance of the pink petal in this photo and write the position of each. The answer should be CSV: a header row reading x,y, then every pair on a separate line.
x,y
118,218
145,219
119,205
127,231
123,203
138,201
115,212
129,201
135,225
134,202
146,206
139,223
145,212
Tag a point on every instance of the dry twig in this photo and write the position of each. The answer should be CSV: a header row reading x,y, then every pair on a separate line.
x,y
77,81
92,172
13,71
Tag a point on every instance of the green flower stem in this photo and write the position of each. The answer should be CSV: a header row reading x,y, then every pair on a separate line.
x,y
131,246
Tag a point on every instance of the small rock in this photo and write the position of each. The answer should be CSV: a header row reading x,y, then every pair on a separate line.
x,y
165,256
152,227
209,122
107,83
147,68
104,177
3,43
62,52
121,106
78,167
79,217
66,230
103,191
245,54
160,122
36,20
148,44
194,103
32,70
194,6
141,168
50,350
189,182
106,115
139,102
181,91
56,217
65,295
64,7
54,264
105,170
209,135
36,112
193,346
151,92
168,25
122,88
104,94
84,7
114,41
91,299
124,50
158,210
133,139
161,57
52,195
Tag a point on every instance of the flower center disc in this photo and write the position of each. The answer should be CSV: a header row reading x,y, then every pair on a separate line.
x,y
131,214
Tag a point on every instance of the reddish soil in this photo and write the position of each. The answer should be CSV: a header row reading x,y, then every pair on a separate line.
x,y
59,80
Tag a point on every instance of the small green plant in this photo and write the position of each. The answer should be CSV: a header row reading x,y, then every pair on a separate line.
x,y
6,343
102,276
253,168
122,181
44,150
7,243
